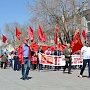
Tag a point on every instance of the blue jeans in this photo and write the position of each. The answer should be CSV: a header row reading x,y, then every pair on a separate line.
x,y
25,68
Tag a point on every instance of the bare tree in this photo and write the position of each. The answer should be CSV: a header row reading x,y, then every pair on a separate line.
x,y
65,13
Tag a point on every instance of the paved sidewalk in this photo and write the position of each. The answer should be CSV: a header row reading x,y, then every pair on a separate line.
x,y
45,80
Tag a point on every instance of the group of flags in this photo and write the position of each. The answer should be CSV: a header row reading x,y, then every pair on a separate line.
x,y
41,35
76,43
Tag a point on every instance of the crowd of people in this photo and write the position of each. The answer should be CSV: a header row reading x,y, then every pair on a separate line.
x,y
30,59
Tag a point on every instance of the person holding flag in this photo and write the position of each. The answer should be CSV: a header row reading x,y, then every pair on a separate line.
x,y
24,56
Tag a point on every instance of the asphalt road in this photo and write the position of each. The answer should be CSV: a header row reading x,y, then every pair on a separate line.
x,y
44,80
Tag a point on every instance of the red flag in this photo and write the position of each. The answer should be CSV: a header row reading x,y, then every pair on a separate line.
x,y
20,53
41,35
56,34
52,48
61,47
34,46
4,38
76,44
44,37
31,34
44,48
84,34
18,33
55,37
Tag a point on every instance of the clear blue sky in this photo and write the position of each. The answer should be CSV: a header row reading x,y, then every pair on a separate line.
x,y
13,11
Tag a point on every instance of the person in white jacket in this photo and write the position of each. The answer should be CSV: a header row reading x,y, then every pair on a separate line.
x,y
85,55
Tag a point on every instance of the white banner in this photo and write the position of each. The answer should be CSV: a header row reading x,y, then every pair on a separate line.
x,y
58,60
76,60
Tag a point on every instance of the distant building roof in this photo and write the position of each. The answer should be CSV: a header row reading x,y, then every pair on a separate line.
x,y
86,13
